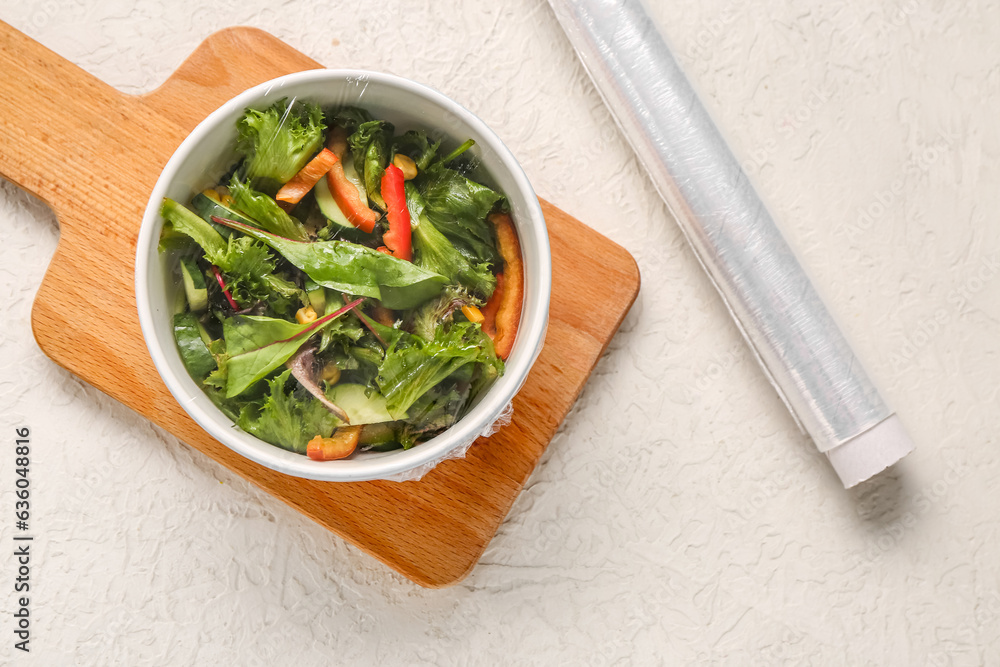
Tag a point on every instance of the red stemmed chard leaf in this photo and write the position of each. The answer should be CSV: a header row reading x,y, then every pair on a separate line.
x,y
222,285
257,345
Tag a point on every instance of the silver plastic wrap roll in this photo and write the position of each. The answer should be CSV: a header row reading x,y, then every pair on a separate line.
x,y
790,331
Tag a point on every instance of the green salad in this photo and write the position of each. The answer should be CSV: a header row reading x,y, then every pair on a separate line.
x,y
344,286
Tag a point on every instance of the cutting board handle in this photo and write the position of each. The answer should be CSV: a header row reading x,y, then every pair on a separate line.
x,y
66,136
53,117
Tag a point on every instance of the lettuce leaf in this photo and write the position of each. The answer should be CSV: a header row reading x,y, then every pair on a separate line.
x,y
264,211
181,220
435,411
436,253
279,141
412,365
248,265
458,208
415,145
345,330
348,117
288,419
249,269
195,355
425,320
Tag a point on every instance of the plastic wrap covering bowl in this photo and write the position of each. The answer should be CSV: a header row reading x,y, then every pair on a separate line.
x,y
210,150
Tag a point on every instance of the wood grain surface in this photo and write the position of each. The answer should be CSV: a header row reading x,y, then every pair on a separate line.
x,y
93,154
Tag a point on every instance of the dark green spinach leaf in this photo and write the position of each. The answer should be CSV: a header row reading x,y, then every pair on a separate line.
x,y
369,145
354,269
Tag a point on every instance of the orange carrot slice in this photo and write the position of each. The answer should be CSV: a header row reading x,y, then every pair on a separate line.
x,y
341,444
490,308
349,199
502,313
292,192
344,192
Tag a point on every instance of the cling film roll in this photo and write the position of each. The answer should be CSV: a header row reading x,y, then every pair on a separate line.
x,y
789,329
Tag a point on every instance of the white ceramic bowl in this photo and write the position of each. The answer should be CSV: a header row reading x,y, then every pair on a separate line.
x,y
209,151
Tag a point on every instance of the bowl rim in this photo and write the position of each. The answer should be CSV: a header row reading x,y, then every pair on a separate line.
x,y
483,414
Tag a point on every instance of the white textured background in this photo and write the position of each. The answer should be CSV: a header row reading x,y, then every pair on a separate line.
x,y
678,516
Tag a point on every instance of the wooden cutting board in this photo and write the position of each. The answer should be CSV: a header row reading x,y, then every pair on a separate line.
x,y
93,154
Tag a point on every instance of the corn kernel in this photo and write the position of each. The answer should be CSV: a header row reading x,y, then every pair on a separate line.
x,y
406,165
224,197
305,315
473,314
331,373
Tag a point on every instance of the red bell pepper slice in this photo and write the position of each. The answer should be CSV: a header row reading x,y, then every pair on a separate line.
x,y
399,237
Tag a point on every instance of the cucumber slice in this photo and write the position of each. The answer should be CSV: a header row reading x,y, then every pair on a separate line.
x,y
352,175
317,296
206,207
361,409
180,303
194,285
194,353
379,437
203,332
328,205
387,446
